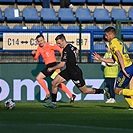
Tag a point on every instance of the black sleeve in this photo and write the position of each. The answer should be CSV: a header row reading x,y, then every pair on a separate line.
x,y
75,48
64,56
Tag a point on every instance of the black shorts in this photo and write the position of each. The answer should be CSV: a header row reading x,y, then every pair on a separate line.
x,y
45,70
76,77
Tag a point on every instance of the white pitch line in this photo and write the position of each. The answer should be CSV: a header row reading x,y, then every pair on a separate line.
x,y
71,126
90,127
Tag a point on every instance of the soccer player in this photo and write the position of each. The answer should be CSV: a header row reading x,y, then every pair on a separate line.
x,y
46,49
120,55
72,71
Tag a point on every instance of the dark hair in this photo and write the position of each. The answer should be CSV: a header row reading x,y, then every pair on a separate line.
x,y
38,36
110,29
61,36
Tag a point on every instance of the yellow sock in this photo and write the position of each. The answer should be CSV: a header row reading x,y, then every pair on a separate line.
x,y
129,100
126,92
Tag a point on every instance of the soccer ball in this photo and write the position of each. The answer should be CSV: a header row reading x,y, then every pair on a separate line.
x,y
9,104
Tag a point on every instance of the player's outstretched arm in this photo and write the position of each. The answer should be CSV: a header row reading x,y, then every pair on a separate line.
x,y
96,56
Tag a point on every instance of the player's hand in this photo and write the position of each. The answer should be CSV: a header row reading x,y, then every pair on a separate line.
x,y
125,73
33,52
50,70
96,56
77,51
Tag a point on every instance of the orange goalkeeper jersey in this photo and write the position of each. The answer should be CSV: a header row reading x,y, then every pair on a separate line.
x,y
47,52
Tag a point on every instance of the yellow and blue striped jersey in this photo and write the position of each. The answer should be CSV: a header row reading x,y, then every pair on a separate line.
x,y
115,45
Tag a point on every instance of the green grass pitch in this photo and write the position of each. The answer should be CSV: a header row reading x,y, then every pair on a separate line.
x,y
80,117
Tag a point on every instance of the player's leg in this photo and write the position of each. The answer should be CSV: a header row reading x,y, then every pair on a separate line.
x,y
48,74
63,87
131,85
40,78
66,90
80,83
121,85
129,100
123,82
125,92
86,90
55,83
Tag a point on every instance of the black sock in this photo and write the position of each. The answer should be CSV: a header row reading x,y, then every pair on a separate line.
x,y
98,91
54,96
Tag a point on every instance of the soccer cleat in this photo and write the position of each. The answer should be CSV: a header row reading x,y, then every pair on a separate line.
x,y
50,105
111,100
47,97
130,108
73,98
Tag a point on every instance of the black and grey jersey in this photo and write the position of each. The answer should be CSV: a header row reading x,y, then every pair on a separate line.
x,y
69,56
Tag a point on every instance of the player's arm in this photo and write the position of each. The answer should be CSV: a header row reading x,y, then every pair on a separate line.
x,y
35,54
112,64
120,59
121,62
58,66
96,56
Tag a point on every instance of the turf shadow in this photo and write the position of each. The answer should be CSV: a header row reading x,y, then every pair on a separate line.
x,y
68,106
111,106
